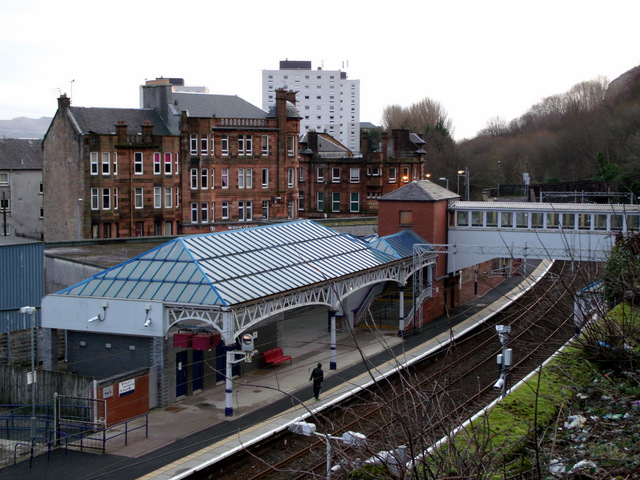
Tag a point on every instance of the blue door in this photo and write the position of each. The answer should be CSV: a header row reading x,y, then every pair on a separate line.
x,y
198,370
181,373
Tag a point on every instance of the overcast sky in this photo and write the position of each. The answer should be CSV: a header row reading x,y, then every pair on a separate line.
x,y
478,59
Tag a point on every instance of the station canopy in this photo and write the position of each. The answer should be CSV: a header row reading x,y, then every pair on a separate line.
x,y
233,267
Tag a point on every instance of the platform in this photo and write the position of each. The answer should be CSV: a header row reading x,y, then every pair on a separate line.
x,y
194,431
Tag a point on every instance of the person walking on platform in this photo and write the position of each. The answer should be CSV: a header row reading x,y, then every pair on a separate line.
x,y
317,375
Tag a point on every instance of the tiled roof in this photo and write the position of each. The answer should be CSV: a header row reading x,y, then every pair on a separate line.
x,y
420,191
104,120
222,106
20,154
228,268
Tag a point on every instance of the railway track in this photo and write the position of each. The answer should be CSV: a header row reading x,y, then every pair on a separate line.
x,y
421,404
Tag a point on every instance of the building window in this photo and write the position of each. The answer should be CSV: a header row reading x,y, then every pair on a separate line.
x,y
248,179
106,199
291,177
265,209
138,197
194,179
392,175
240,144
115,163
354,204
4,179
320,201
405,174
177,197
354,175
224,178
335,175
301,201
137,163
106,163
115,198
265,178
213,178
204,179
249,210
224,210
204,145
213,144
93,159
157,168
204,212
241,178
335,202
373,171
241,211
194,212
249,144
265,145
213,211
320,174
290,209
224,144
177,165
300,174
406,218
157,197
167,163
168,197
95,201
291,145
193,145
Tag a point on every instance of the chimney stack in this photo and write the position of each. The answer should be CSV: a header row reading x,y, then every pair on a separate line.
x,y
121,131
64,102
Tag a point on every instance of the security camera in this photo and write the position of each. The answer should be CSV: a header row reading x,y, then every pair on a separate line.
x,y
147,322
499,384
93,319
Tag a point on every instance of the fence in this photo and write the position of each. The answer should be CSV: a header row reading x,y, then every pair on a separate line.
x,y
78,423
14,389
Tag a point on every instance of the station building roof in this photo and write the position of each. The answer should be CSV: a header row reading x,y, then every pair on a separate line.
x,y
230,268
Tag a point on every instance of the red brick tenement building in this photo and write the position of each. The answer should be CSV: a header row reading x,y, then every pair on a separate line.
x,y
191,162
240,163
109,172
335,183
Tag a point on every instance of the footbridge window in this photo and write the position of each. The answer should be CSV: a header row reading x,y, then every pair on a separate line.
x,y
568,221
553,220
506,219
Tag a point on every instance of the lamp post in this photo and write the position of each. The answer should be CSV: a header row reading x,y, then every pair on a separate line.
x,y
31,311
464,173
348,438
443,179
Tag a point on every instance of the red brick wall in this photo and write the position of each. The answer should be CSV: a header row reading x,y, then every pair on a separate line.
x,y
129,405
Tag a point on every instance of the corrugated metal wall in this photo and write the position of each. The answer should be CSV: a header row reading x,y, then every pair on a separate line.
x,y
21,284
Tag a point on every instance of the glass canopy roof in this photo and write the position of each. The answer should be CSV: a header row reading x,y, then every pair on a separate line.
x,y
233,267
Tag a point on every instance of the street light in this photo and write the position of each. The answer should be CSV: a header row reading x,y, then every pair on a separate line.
x,y
442,179
464,173
348,438
31,311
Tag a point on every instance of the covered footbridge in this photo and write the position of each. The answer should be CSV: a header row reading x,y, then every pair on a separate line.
x,y
226,283
480,231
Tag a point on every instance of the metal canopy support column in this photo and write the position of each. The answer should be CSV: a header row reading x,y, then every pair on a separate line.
x,y
401,314
332,326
